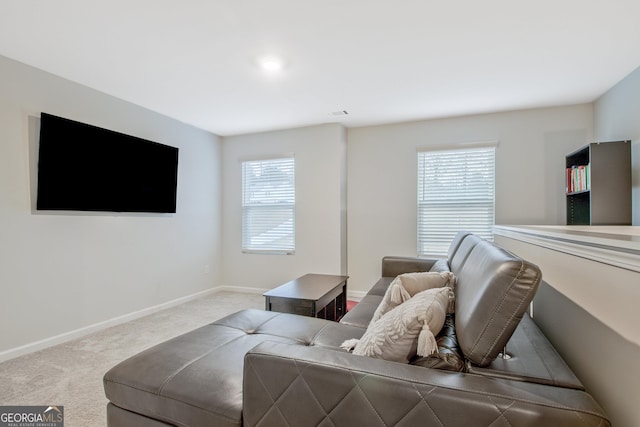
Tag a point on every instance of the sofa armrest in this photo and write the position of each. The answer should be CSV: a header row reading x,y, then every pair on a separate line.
x,y
393,266
288,384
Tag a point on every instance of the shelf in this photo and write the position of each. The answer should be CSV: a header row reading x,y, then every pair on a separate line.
x,y
578,192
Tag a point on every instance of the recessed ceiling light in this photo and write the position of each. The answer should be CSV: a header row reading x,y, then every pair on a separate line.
x,y
271,63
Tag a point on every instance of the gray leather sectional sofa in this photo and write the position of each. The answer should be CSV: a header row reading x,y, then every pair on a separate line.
x,y
259,368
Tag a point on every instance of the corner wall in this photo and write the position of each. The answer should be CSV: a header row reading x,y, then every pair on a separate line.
x,y
616,116
67,271
601,357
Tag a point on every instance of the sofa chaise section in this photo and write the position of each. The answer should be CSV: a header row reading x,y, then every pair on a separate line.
x,y
196,379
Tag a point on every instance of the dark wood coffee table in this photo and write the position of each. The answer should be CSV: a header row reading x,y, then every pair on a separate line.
x,y
315,295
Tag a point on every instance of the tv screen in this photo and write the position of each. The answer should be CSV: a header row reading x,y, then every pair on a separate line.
x,y
87,168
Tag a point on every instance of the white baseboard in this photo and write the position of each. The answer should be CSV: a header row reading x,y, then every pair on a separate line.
x,y
352,295
242,289
355,295
96,327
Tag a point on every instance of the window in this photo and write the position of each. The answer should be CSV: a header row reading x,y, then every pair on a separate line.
x,y
456,190
268,206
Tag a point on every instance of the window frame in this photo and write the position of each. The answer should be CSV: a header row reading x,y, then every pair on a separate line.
x,y
471,206
287,200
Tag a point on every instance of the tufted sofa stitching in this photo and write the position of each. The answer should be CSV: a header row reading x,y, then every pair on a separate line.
x,y
502,412
488,396
490,323
189,363
585,422
355,389
258,330
425,402
301,376
244,332
450,387
253,330
276,399
249,366
150,390
319,333
173,375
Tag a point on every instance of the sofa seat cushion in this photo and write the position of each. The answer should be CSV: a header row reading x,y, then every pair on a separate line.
x,y
361,314
196,379
531,358
334,334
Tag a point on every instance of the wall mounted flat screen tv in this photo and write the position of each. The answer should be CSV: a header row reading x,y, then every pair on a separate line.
x,y
87,168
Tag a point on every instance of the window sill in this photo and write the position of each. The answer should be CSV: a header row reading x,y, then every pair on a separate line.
x,y
268,252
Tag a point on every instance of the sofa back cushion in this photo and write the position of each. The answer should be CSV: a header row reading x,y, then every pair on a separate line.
x,y
493,290
440,266
459,257
455,243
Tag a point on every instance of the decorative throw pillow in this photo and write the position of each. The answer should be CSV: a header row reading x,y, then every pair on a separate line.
x,y
406,330
407,285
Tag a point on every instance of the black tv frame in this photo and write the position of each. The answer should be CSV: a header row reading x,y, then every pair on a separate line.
x,y
82,167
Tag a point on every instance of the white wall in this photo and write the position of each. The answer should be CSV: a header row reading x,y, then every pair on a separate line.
x,y
382,176
319,153
67,271
617,117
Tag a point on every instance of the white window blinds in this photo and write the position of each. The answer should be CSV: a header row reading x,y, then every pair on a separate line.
x,y
455,192
268,205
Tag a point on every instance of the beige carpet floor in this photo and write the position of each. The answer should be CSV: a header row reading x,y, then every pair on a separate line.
x,y
70,374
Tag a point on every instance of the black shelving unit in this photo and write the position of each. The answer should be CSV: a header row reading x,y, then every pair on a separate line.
x,y
607,200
